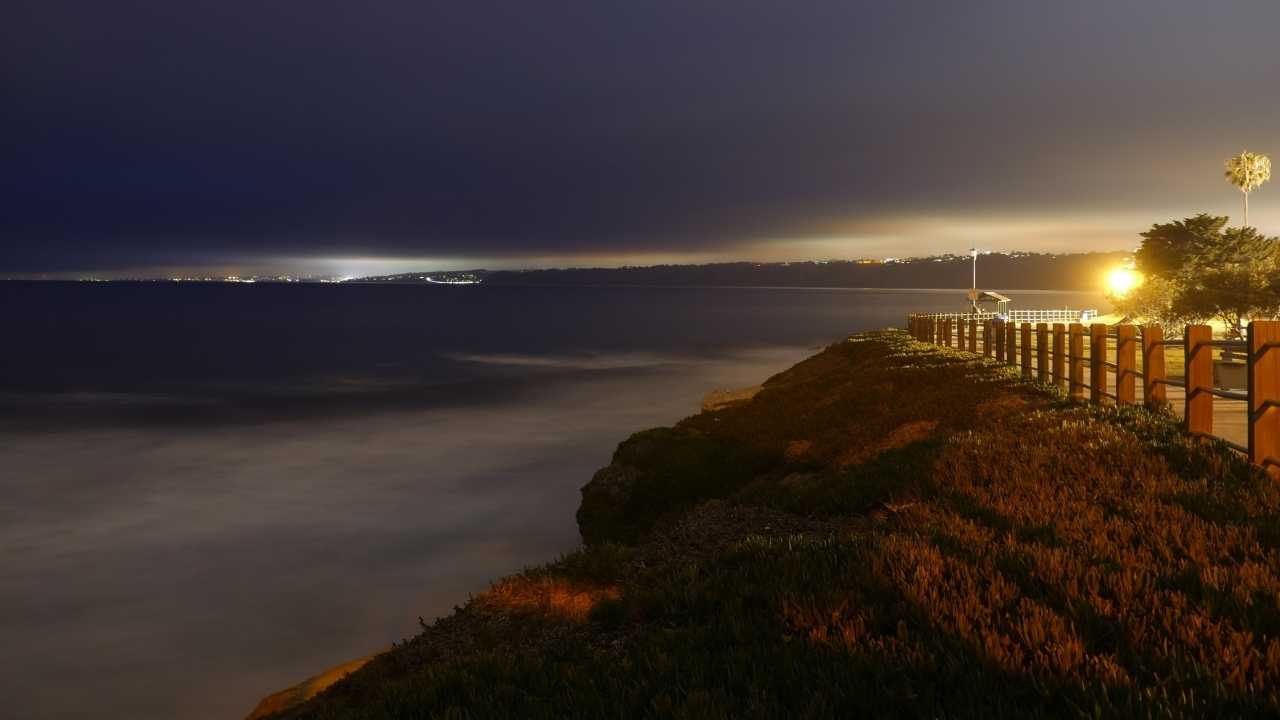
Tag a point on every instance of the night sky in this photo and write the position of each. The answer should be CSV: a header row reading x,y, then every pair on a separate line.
x,y
354,137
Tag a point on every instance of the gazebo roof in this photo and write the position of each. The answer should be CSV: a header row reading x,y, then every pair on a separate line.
x,y
987,296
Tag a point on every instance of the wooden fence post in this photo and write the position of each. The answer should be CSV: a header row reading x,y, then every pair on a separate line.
x,y
1059,355
973,335
1264,394
1153,390
1026,350
999,328
1126,354
946,332
1199,375
1076,362
959,333
1011,343
1097,356
930,329
1042,352
986,337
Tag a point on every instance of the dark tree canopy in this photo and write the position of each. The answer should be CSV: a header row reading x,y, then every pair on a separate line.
x,y
1198,269
1168,248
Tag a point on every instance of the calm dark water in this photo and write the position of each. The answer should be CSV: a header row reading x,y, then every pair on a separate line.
x,y
211,492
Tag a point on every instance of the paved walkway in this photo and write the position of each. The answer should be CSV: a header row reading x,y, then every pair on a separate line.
x,y
1229,416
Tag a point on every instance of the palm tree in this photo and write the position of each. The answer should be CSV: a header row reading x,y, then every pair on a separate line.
x,y
1247,171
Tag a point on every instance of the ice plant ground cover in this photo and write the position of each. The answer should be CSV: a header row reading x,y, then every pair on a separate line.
x,y
888,528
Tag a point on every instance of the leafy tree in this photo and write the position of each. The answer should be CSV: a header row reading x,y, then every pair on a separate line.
x,y
1233,280
1198,269
1152,301
1248,171
1169,248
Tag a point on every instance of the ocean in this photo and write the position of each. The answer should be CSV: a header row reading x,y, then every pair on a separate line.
x,y
212,491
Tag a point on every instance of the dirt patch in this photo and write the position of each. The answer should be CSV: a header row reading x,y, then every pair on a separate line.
x,y
305,690
720,399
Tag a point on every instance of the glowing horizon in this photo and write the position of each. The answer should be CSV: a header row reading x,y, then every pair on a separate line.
x,y
897,237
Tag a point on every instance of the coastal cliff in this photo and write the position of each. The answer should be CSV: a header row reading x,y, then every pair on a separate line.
x,y
888,528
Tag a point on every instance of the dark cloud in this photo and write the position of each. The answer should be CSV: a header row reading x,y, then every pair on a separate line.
x,y
185,132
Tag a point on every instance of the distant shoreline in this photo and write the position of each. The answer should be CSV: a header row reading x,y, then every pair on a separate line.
x,y
654,286
1044,271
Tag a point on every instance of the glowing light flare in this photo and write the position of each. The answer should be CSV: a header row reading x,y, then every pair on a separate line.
x,y
1122,280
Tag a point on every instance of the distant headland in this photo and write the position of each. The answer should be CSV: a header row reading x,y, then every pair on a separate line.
x,y
1004,270
1012,270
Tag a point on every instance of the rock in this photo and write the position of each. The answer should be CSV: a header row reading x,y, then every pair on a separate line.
x,y
604,502
643,447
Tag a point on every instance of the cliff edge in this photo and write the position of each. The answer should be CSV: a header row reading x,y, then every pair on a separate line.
x,y
886,529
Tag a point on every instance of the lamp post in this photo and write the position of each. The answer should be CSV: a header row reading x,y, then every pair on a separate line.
x,y
973,290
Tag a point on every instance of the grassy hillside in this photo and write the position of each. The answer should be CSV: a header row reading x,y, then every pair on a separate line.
x,y
888,528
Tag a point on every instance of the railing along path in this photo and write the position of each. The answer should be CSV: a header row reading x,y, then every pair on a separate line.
x,y
1034,316
1055,354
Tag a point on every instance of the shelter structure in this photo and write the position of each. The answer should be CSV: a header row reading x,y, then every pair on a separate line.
x,y
986,302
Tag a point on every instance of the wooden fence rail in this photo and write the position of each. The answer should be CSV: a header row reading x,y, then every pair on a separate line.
x,y
1075,361
1042,352
1026,350
1018,316
1057,355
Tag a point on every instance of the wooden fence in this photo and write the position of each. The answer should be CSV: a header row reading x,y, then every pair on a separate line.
x,y
1056,355
1033,316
